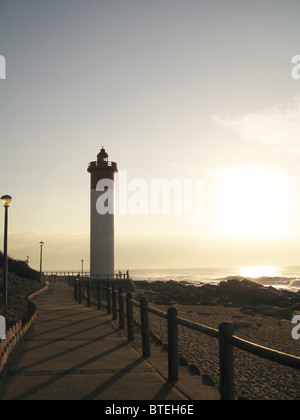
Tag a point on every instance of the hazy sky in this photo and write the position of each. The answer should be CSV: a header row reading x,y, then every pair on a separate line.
x,y
174,89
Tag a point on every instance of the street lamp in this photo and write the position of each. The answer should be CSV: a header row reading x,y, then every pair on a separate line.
x,y
82,268
41,258
6,201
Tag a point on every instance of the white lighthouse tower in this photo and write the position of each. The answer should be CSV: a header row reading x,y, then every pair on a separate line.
x,y
102,216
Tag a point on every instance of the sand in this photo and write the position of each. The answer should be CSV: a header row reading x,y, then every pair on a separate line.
x,y
255,378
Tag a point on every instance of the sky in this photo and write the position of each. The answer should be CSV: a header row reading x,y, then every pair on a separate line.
x,y
180,90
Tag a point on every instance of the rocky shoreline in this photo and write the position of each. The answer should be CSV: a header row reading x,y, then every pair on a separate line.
x,y
251,297
259,314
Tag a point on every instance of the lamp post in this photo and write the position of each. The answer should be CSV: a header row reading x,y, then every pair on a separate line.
x,y
6,201
41,258
82,268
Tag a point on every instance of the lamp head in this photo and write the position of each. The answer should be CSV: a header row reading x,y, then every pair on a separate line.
x,y
6,200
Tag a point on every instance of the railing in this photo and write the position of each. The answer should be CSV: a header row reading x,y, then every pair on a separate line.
x,y
103,164
61,275
115,304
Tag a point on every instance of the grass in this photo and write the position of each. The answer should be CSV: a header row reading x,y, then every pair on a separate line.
x,y
19,289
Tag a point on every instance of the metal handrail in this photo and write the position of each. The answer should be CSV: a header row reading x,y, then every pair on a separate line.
x,y
103,164
86,275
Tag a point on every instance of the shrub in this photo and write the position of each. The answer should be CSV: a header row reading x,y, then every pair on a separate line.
x,y
20,268
22,282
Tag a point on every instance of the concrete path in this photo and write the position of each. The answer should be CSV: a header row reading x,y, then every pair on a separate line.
x,y
77,353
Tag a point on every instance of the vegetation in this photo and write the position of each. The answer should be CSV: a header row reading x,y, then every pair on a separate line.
x,y
20,268
22,282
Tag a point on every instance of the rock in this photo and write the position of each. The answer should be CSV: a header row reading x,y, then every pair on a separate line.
x,y
242,398
296,307
194,370
241,325
250,312
279,313
165,347
182,361
207,380
253,298
158,342
237,316
207,303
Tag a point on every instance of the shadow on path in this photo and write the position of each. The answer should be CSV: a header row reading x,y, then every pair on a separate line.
x,y
32,391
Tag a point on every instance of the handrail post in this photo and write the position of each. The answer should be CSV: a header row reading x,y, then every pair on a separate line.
x,y
88,294
130,321
79,292
75,290
226,362
121,309
173,345
99,295
108,299
114,303
145,328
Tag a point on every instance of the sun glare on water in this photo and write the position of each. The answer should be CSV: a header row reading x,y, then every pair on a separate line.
x,y
259,271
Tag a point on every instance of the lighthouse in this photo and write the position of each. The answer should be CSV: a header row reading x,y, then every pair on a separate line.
x,y
102,216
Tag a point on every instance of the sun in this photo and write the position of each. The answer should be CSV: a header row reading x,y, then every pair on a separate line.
x,y
259,271
252,203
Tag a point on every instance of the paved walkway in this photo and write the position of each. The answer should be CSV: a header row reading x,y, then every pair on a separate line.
x,y
77,353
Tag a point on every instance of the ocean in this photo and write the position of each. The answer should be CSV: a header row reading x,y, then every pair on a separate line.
x,y
277,277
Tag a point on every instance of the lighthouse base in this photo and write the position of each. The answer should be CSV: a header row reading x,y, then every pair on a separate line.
x,y
127,285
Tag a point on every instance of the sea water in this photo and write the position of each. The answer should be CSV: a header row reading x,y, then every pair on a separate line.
x,y
278,277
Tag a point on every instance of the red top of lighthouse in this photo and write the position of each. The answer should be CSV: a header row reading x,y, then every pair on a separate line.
x,y
102,156
102,162
102,168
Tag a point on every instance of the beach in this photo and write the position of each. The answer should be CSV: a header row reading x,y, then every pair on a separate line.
x,y
255,378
